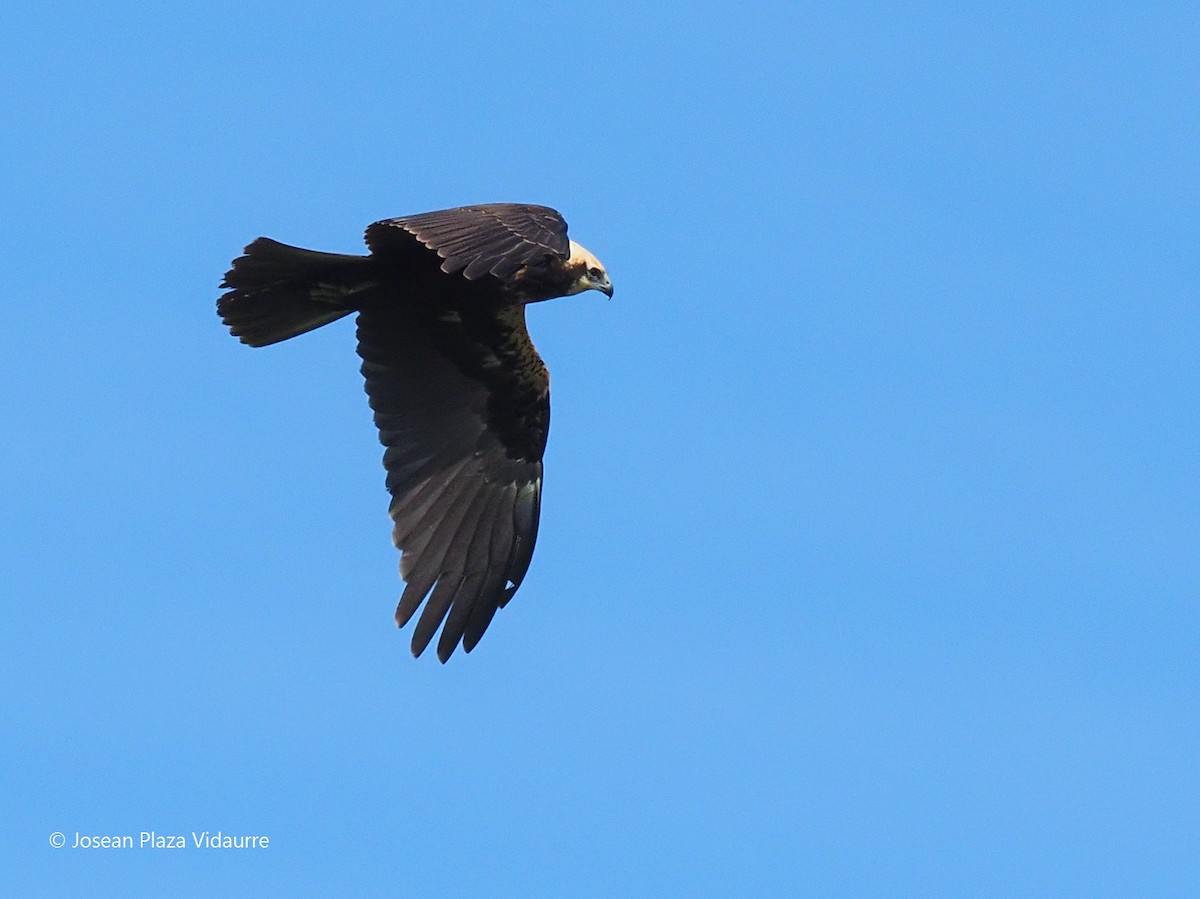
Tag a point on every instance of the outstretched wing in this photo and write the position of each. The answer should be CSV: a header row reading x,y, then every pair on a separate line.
x,y
496,238
462,403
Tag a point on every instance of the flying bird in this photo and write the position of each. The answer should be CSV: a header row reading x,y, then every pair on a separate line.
x,y
460,396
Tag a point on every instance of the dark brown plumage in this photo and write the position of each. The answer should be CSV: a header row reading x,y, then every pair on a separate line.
x,y
460,395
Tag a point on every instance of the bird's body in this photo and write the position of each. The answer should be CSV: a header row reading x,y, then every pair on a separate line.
x,y
460,395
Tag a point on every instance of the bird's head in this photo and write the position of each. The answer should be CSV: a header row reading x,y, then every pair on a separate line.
x,y
589,271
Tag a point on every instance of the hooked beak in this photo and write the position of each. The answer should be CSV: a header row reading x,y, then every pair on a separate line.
x,y
600,282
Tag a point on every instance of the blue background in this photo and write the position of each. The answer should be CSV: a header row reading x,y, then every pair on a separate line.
x,y
869,549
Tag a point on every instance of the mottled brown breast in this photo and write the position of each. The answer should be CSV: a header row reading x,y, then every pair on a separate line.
x,y
492,346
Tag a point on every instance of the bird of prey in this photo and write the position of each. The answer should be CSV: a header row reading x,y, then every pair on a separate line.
x,y
460,396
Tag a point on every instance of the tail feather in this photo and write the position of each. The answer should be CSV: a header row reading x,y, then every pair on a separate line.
x,y
277,291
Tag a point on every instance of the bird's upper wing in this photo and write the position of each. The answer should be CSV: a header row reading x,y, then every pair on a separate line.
x,y
462,403
494,239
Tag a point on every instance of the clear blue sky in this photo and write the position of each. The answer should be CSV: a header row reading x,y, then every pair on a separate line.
x,y
870,549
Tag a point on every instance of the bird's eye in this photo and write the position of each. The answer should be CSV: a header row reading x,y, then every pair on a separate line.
x,y
594,272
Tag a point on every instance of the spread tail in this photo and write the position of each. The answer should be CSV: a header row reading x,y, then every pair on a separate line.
x,y
277,291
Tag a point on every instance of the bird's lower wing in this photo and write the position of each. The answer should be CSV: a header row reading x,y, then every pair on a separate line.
x,y
465,505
